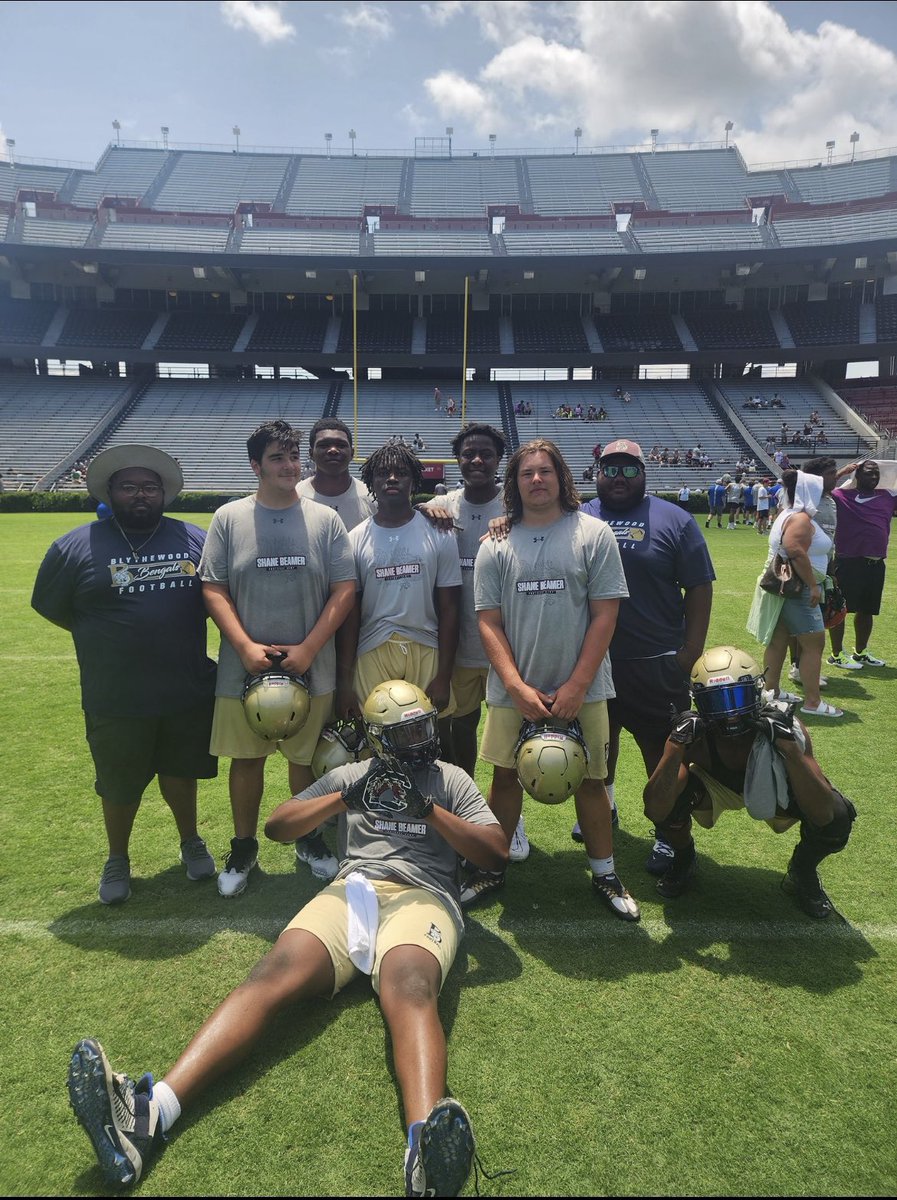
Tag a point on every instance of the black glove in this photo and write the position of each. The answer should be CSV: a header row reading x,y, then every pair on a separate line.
x,y
387,790
775,722
688,727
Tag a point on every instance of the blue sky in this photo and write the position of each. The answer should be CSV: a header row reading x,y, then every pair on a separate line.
x,y
790,76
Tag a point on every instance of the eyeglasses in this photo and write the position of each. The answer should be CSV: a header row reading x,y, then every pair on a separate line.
x,y
131,489
611,471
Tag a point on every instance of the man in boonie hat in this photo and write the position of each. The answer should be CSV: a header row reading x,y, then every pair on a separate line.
x,y
127,590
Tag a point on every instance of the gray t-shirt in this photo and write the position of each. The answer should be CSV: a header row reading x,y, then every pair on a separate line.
x,y
397,570
474,521
353,506
278,565
542,578
409,849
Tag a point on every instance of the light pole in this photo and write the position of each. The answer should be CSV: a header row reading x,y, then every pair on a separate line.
x,y
328,138
729,128
577,133
830,147
236,132
654,133
165,137
116,125
854,138
449,131
352,136
11,150
492,144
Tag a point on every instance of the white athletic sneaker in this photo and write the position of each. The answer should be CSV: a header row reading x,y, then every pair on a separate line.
x,y
519,850
242,858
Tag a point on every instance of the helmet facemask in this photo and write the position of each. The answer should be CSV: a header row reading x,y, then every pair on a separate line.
x,y
727,687
401,724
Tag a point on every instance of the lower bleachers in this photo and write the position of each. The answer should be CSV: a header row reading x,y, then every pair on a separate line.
x,y
205,423
672,415
876,403
43,419
800,399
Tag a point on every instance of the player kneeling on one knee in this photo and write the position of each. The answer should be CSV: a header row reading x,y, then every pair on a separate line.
x,y
734,752
392,912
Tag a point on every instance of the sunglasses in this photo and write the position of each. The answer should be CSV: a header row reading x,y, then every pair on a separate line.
x,y
611,471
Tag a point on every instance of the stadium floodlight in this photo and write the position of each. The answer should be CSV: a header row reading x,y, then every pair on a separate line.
x,y
830,147
352,137
11,151
577,133
236,132
854,138
328,138
492,143
116,125
654,133
729,127
165,136
449,131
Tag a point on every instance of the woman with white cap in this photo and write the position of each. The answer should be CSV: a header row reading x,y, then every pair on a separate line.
x,y
773,619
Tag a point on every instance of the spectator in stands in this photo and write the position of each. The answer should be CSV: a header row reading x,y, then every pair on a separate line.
x,y
769,445
865,512
527,409
602,413
278,581
404,621
578,412
330,445
592,413
783,436
127,591
785,462
437,400
618,392
777,401
596,452
778,455
450,407
418,443
627,399
821,438
814,419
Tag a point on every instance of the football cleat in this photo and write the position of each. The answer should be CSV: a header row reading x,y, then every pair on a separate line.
x,y
440,1161
244,854
519,848
614,895
120,1117
314,851
660,857
678,874
480,885
808,894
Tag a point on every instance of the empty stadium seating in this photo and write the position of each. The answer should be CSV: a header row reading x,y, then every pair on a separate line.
x,y
886,318
341,187
200,331
24,322
119,173
647,331
445,333
726,329
697,180
145,236
563,241
876,403
289,331
671,238
57,233
839,227
431,241
564,185
213,182
460,187
378,333
549,333
272,239
823,322
115,328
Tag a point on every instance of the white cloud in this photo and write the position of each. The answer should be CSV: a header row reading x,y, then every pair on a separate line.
x,y
440,12
258,17
685,67
371,20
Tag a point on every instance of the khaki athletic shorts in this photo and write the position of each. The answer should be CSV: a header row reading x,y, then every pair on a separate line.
x,y
409,916
232,737
469,689
398,658
502,729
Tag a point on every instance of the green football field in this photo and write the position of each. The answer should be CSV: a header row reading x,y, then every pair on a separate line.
x,y
726,1045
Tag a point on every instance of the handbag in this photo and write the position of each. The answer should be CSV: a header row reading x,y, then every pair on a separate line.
x,y
834,605
780,579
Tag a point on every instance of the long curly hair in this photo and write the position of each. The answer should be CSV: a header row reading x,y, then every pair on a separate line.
x,y
387,458
569,496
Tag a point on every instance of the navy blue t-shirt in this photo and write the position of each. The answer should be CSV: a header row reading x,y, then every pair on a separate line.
x,y
663,552
138,621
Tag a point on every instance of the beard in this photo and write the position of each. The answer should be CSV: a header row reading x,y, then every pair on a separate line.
x,y
144,518
620,503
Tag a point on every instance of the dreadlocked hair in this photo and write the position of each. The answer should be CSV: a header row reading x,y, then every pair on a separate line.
x,y
568,496
387,458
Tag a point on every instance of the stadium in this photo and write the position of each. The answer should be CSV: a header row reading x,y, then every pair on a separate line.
x,y
179,296
351,285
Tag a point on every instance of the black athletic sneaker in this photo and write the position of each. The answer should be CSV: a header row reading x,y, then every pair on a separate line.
x,y
120,1117
808,893
440,1162
660,856
678,874
612,891
481,884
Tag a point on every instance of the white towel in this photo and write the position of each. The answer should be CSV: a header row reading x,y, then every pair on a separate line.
x,y
765,778
364,918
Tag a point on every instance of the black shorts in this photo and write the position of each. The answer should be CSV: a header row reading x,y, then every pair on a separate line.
x,y
650,691
129,751
862,581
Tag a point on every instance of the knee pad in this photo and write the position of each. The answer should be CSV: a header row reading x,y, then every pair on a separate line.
x,y
829,839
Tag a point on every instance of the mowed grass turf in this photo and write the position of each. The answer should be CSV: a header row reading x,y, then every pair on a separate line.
x,y
727,1045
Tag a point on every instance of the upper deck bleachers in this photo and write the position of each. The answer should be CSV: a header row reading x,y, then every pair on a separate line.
x,y
432,241
726,329
120,173
843,181
43,419
697,180
24,175
445,333
211,182
284,331
462,186
378,333
197,239
563,241
57,233
838,227
24,322
549,333
273,239
200,331
566,185
341,187
670,238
